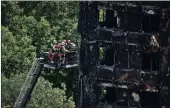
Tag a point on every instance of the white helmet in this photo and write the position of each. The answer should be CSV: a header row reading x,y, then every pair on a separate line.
x,y
54,42
73,45
68,41
64,41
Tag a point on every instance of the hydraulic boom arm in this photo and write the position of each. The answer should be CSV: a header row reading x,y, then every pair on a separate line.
x,y
29,84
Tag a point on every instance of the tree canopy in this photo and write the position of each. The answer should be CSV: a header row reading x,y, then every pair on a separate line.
x,y
27,29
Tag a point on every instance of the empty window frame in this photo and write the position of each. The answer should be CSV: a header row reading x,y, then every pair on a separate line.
x,y
106,56
150,23
107,18
150,61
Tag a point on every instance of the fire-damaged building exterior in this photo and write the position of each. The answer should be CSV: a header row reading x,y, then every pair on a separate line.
x,y
124,55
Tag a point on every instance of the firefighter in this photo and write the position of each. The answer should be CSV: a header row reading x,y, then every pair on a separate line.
x,y
59,50
60,53
63,46
54,45
51,56
70,45
52,52
64,42
63,50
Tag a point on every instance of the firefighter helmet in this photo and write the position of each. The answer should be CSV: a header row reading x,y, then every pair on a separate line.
x,y
68,41
54,42
64,41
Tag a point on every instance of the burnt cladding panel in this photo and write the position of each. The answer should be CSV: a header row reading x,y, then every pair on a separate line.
x,y
104,35
132,37
164,37
119,36
162,4
92,15
92,35
82,17
92,57
105,73
140,39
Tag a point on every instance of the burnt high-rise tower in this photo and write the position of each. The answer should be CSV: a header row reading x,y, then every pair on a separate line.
x,y
124,55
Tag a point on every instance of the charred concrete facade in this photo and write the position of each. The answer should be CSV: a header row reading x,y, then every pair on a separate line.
x,y
124,55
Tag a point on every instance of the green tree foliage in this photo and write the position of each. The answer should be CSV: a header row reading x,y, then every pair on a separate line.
x,y
27,29
40,20
10,89
51,98
17,53
9,10
44,96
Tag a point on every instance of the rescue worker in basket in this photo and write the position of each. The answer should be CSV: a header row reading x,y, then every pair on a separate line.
x,y
57,53
52,51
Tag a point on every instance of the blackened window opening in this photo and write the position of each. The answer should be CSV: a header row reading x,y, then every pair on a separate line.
x,y
107,18
150,61
133,22
109,96
106,56
150,23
